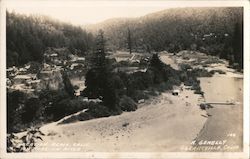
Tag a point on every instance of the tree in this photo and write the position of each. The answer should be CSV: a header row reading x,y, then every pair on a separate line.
x,y
29,36
156,62
98,71
238,43
98,58
129,41
15,103
98,81
67,85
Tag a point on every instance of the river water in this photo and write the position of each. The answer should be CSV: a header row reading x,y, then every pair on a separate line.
x,y
225,122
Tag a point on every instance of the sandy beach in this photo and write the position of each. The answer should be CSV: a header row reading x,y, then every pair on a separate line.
x,y
158,125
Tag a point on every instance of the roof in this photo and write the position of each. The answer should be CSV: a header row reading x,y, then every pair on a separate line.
x,y
176,91
54,54
80,58
22,77
10,69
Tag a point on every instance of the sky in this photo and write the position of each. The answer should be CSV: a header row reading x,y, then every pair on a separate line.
x,y
81,12
84,12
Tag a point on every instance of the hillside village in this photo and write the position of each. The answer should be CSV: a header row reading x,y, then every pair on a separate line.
x,y
36,77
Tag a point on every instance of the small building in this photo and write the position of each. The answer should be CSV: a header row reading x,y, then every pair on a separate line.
x,y
175,92
80,58
141,101
54,55
21,79
10,69
22,69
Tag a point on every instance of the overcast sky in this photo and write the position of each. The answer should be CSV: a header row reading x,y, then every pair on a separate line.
x,y
85,12
80,12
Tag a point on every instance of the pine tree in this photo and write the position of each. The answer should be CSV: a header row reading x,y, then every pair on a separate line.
x,y
97,73
98,59
129,41
98,78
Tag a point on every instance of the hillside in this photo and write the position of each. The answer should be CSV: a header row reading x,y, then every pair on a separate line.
x,y
216,31
29,36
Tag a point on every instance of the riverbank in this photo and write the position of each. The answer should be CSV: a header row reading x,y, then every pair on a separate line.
x,y
158,125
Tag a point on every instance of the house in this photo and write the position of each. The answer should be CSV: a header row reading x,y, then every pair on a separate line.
x,y
21,79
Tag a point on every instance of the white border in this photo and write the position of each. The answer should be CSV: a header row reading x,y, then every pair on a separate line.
x,y
244,154
3,113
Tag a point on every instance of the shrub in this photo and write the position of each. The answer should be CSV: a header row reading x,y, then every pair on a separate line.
x,y
152,92
137,95
98,111
84,116
64,107
164,86
218,71
31,110
95,110
201,73
185,67
127,104
15,103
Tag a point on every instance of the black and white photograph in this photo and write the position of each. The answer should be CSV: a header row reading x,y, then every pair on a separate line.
x,y
124,79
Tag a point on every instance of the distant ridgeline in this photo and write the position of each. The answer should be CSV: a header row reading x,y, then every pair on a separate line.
x,y
29,36
217,31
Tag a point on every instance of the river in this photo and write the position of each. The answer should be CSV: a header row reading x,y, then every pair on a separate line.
x,y
225,122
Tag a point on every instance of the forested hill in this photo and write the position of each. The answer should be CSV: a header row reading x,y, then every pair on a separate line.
x,y
217,31
29,36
